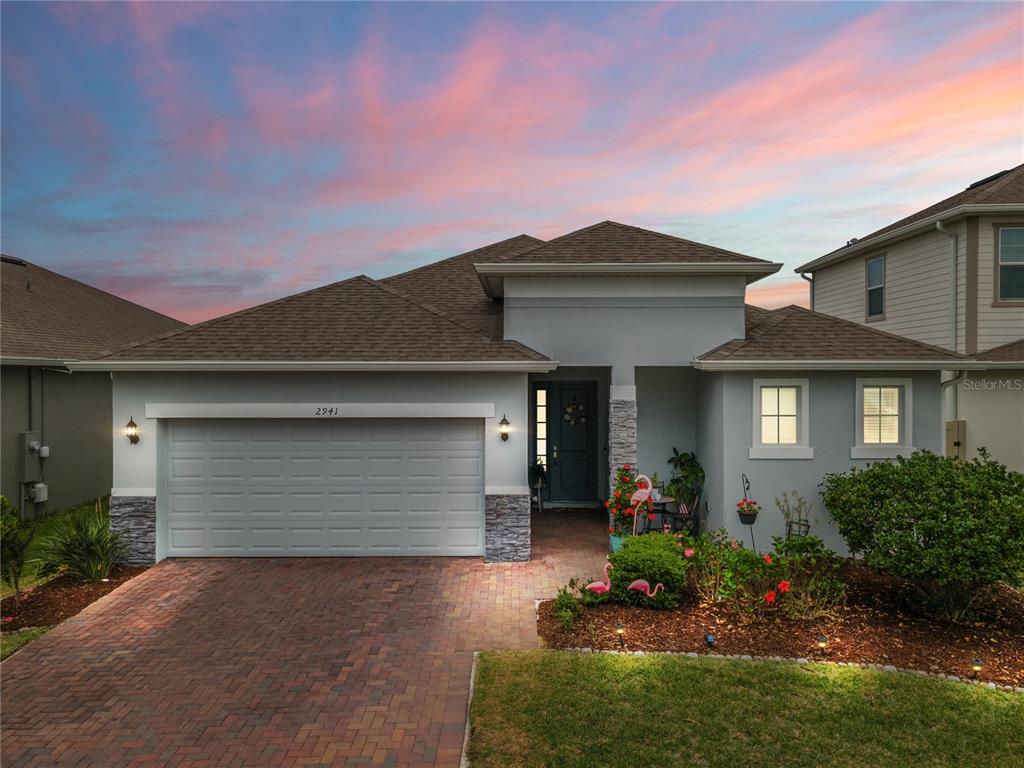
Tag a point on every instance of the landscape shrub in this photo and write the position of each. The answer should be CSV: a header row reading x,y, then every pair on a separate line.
x,y
15,538
82,546
567,607
812,571
654,557
950,527
710,556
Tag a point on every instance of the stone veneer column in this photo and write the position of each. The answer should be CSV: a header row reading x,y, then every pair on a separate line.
x,y
621,435
506,528
134,517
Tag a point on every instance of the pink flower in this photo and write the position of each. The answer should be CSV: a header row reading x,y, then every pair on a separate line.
x,y
688,552
769,596
783,586
8,619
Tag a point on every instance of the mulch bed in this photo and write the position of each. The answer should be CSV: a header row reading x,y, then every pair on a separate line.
x,y
60,598
873,627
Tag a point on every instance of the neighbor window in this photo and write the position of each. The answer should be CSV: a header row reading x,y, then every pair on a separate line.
x,y
1010,276
541,450
881,414
875,281
884,419
778,415
780,420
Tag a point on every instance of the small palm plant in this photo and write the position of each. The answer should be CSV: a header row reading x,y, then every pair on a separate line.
x,y
83,547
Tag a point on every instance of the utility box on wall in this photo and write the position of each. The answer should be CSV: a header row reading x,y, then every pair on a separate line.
x,y
956,438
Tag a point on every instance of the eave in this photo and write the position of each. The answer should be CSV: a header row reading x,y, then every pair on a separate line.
x,y
492,274
839,365
871,243
369,366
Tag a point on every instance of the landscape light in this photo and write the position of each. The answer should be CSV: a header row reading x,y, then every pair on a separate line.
x,y
620,630
976,664
822,642
709,640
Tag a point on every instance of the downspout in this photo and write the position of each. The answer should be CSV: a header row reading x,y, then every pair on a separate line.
x,y
810,282
954,243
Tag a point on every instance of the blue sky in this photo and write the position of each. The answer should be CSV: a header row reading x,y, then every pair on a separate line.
x,y
199,158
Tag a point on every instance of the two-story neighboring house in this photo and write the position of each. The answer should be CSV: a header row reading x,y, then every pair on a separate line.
x,y
951,275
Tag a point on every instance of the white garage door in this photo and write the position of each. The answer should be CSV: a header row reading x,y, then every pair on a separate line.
x,y
338,487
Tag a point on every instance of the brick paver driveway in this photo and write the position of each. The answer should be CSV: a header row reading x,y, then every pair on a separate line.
x,y
282,662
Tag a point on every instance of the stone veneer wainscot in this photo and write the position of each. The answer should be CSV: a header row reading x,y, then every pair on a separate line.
x,y
621,435
135,518
506,528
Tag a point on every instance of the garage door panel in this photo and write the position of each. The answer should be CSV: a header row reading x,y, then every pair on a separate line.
x,y
337,487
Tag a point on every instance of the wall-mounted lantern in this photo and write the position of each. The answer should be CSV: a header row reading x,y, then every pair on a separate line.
x,y
131,431
504,428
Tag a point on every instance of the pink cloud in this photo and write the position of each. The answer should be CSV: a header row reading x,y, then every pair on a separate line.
x,y
779,293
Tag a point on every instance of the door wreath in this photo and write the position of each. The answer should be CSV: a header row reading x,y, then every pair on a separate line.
x,y
574,414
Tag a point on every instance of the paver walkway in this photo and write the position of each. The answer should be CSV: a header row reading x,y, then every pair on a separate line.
x,y
312,662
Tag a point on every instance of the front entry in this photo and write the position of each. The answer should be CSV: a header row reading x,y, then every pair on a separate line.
x,y
566,438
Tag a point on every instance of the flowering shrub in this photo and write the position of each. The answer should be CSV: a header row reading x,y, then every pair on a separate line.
x,y
621,512
950,527
799,577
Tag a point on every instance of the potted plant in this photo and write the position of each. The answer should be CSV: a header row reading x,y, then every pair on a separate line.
x,y
621,513
537,475
687,481
747,510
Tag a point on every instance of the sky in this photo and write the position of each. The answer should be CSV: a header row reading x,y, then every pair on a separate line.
x,y
201,158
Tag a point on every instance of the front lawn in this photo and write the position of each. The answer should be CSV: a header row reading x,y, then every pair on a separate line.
x,y
541,708
14,641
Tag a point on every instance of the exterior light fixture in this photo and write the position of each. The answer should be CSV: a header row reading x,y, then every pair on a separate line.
x,y
620,630
504,428
976,665
822,642
131,431
709,640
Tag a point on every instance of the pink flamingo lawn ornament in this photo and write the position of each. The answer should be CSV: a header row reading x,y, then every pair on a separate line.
x,y
600,587
640,495
642,585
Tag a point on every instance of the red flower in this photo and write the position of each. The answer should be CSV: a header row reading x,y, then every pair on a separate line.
x,y
651,516
611,529
768,559
769,596
608,504
783,586
618,494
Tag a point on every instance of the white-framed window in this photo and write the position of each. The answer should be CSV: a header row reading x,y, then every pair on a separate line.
x,y
541,438
781,419
1010,264
884,418
874,280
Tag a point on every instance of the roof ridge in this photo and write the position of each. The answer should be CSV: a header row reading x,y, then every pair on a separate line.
x,y
1002,179
232,315
463,255
676,238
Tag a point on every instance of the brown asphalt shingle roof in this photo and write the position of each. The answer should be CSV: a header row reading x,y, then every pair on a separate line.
x,y
795,333
454,285
611,242
1012,352
44,314
359,320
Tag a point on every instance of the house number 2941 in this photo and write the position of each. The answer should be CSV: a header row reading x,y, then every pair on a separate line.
x,y
327,410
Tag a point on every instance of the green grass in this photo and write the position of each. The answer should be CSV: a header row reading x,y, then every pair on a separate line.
x,y
30,576
548,708
15,641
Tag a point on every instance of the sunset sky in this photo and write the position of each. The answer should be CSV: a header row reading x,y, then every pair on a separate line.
x,y
202,158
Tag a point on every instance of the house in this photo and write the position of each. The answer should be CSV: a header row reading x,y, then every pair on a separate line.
x,y
951,275
399,416
55,426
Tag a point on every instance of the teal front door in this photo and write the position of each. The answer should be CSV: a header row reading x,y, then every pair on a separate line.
x,y
570,433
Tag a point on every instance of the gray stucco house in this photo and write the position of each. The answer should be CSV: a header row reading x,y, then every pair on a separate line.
x,y
365,417
55,425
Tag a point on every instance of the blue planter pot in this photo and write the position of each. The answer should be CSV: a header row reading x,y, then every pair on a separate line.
x,y
616,541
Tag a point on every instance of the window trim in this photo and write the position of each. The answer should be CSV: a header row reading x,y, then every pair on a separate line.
x,y
905,446
802,449
996,301
869,318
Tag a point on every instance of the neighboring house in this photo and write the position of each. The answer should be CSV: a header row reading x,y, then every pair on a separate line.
x,y
368,417
950,275
46,320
